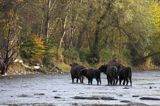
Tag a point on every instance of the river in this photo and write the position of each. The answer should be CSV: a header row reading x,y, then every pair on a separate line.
x,y
57,90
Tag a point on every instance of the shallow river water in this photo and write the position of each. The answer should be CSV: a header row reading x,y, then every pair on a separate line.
x,y
57,90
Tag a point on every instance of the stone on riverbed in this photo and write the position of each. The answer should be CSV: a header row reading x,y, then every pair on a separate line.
x,y
94,98
135,95
39,94
87,98
57,97
23,95
149,98
125,101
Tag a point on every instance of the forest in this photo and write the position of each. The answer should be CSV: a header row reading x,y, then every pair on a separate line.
x,y
90,32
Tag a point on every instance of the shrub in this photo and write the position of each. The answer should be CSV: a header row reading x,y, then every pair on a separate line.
x,y
83,54
71,55
33,49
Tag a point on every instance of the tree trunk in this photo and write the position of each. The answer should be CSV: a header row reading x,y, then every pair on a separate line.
x,y
80,38
59,54
94,57
84,28
3,68
47,12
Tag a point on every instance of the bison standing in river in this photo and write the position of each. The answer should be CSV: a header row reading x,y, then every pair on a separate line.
x,y
103,69
75,72
90,74
116,72
125,75
111,73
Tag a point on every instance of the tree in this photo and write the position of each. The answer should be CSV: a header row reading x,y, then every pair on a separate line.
x,y
9,39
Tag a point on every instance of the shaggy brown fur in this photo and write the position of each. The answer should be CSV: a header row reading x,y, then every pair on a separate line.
x,y
92,73
75,72
125,75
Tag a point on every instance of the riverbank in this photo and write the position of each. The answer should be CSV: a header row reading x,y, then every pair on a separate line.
x,y
19,69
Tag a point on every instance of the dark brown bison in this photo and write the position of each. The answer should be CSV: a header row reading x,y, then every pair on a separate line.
x,y
125,75
116,72
90,74
75,72
103,69
111,73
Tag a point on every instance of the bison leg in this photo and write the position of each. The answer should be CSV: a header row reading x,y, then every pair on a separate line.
x,y
127,81
124,81
120,80
130,81
77,80
112,81
88,81
116,80
130,78
109,80
91,81
97,81
100,80
72,80
81,79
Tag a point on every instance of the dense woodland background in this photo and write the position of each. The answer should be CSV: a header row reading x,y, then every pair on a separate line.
x,y
59,32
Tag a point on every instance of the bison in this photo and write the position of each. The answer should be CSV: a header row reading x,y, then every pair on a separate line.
x,y
75,72
111,73
103,69
116,72
90,74
125,75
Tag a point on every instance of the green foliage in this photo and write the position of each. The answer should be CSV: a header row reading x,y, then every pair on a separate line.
x,y
50,54
105,55
83,54
155,47
71,55
33,49
90,31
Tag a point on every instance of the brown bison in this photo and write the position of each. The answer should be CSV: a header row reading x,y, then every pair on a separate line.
x,y
116,72
103,69
90,74
75,72
125,75
111,73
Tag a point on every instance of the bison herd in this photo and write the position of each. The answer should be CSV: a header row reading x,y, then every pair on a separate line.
x,y
114,71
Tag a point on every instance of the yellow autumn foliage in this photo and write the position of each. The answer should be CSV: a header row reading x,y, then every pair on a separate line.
x,y
155,14
38,47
